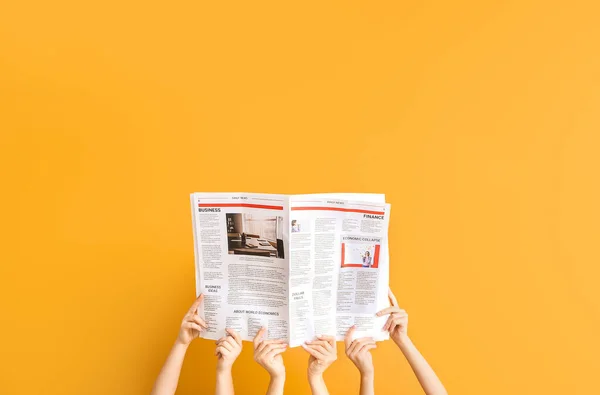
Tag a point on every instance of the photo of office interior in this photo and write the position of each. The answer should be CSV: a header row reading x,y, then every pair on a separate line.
x,y
257,235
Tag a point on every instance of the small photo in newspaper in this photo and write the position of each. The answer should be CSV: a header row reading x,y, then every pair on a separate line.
x,y
256,235
298,226
360,252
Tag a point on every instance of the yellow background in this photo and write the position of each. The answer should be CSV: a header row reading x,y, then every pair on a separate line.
x,y
478,119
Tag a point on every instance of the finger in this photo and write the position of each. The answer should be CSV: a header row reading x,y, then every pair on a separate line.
x,y
196,304
221,350
231,341
398,320
196,318
265,348
320,349
221,340
193,325
226,345
266,343
388,310
360,348
328,339
401,314
352,347
318,342
368,347
392,297
356,344
258,337
274,352
388,322
235,335
348,337
313,352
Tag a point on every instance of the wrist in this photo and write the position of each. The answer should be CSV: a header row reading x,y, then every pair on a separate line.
x,y
316,383
224,368
403,340
180,344
367,376
277,378
277,375
314,376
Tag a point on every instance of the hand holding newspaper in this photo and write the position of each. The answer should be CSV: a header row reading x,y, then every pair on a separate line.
x,y
299,265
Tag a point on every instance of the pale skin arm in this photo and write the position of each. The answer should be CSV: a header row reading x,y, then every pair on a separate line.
x,y
267,353
191,327
323,352
359,352
397,326
228,349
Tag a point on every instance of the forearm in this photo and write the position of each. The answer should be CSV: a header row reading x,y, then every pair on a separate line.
x,y
367,384
317,385
166,383
224,382
276,385
429,381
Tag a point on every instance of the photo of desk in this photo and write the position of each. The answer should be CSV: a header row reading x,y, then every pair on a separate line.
x,y
257,249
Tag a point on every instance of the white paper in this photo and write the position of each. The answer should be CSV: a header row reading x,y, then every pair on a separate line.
x,y
300,265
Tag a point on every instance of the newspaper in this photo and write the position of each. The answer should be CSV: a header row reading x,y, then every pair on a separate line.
x,y
299,265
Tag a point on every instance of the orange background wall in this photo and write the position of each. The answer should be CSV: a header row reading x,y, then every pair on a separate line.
x,y
479,120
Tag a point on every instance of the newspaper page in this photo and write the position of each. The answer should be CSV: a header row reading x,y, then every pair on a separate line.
x,y
339,270
242,262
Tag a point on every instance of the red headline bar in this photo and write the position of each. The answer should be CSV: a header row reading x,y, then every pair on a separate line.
x,y
247,205
347,210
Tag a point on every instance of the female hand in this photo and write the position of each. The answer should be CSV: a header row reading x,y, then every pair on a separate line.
x,y
358,352
228,349
323,353
397,323
267,354
192,325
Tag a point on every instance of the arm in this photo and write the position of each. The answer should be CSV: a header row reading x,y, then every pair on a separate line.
x,y
317,385
397,325
228,349
276,385
224,383
167,380
427,378
268,355
367,385
191,326
323,353
358,351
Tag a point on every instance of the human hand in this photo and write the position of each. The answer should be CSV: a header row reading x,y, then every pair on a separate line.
x,y
228,349
192,325
323,353
358,352
267,353
397,322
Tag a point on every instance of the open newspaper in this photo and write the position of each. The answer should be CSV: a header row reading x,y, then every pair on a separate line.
x,y
299,265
